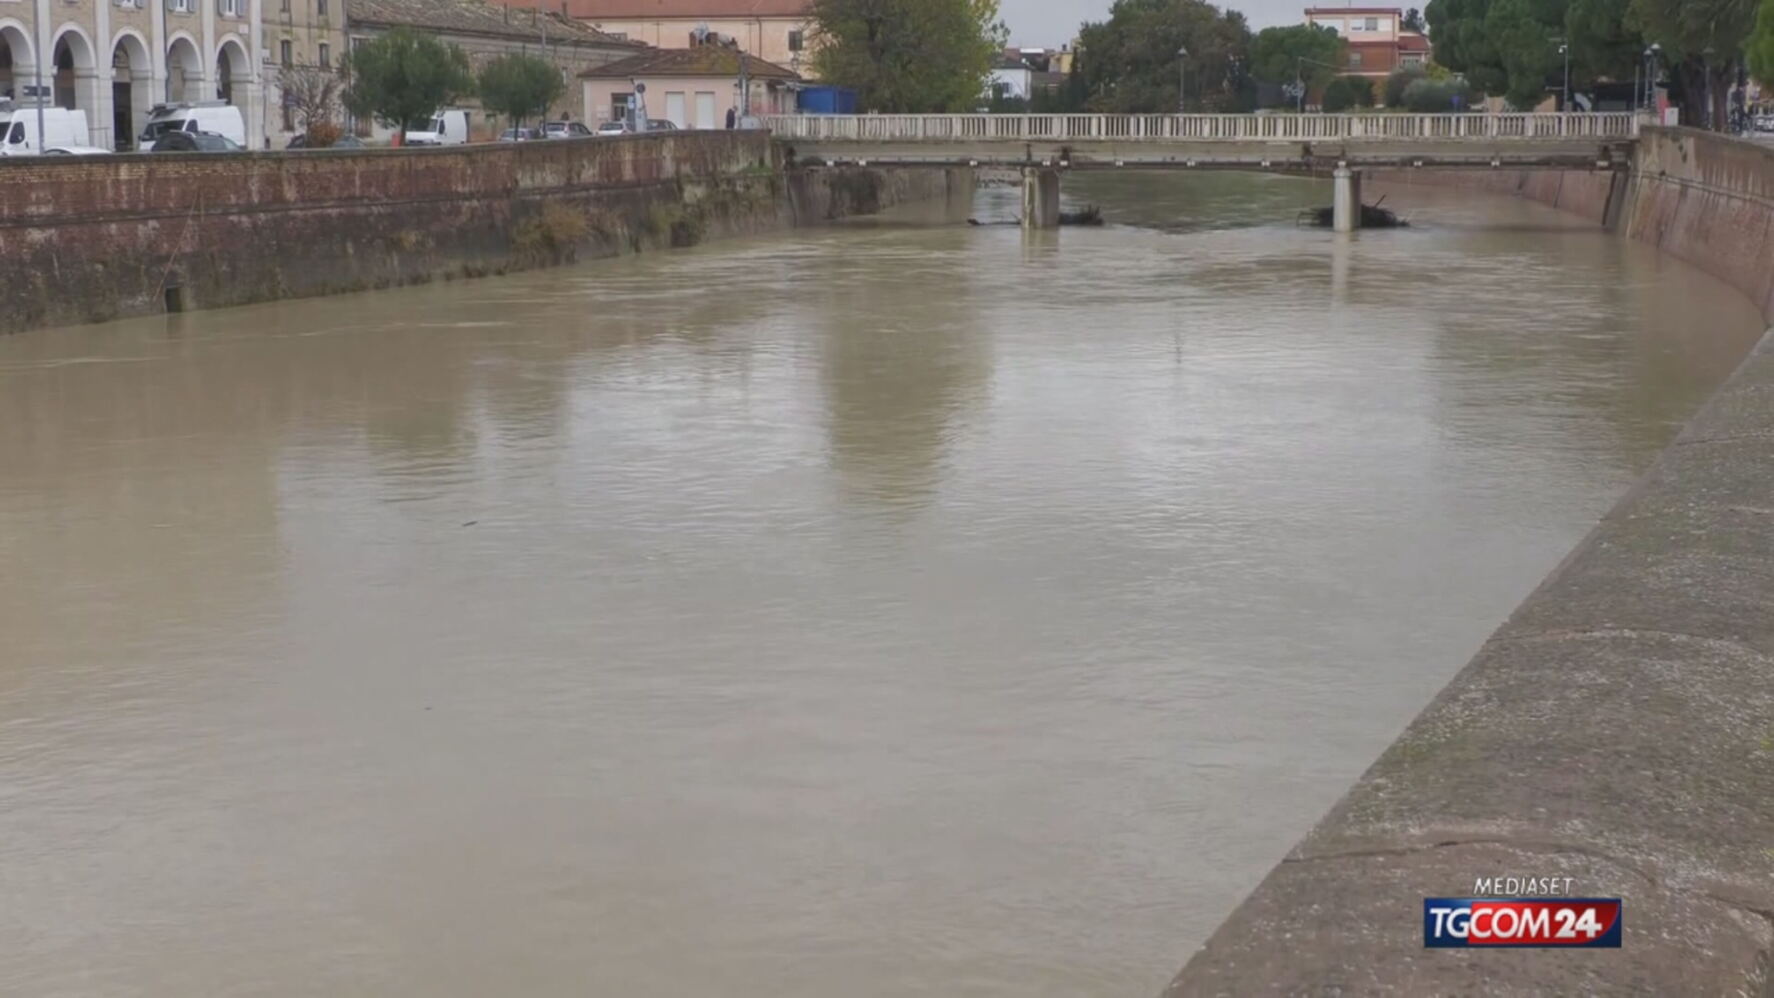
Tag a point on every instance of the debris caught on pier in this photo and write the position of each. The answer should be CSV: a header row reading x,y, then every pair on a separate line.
x,y
1090,215
1372,217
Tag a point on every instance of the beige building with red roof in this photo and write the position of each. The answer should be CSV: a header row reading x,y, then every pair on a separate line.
x,y
777,30
691,87
1377,40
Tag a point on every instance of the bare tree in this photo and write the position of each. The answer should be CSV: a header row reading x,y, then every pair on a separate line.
x,y
312,96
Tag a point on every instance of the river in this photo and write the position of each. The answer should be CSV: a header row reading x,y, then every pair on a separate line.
x,y
883,609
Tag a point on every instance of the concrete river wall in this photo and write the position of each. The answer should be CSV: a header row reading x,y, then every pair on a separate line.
x,y
108,237
1617,729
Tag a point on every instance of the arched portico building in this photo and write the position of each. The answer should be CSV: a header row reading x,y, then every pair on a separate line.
x,y
238,85
17,60
184,69
132,87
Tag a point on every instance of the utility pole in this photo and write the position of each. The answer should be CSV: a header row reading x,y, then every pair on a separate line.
x,y
37,85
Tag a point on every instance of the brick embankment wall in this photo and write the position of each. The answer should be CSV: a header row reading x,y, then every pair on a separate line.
x,y
107,237
1618,729
1699,197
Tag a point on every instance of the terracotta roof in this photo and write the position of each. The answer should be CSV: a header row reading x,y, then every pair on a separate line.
x,y
1410,41
475,17
703,60
708,10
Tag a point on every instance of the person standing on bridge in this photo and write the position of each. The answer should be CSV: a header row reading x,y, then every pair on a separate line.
x,y
732,118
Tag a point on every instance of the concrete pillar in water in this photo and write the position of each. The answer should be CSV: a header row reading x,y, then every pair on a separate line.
x,y
1040,198
1345,199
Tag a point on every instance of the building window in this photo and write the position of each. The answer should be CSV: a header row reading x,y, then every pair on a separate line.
x,y
619,106
326,56
230,8
283,53
320,7
795,40
286,6
289,114
181,6
1371,24
1355,60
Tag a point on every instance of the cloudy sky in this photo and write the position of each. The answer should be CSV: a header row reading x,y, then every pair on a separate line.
x,y
1051,23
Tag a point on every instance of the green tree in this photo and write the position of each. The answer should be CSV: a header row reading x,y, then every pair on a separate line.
x,y
403,77
1313,51
1129,63
1431,96
1702,42
1462,32
1413,21
908,56
519,85
1399,79
1347,92
1603,44
1759,50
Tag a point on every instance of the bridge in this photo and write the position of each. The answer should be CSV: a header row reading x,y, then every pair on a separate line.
x,y
1338,144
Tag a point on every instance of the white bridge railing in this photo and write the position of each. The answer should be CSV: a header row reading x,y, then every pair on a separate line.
x,y
1213,127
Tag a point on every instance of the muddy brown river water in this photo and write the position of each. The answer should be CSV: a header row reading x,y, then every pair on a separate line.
x,y
875,610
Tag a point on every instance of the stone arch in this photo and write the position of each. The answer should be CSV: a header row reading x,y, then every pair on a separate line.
x,y
234,72
132,86
77,79
18,60
184,68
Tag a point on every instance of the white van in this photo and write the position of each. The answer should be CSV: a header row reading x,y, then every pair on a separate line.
x,y
448,127
215,116
62,128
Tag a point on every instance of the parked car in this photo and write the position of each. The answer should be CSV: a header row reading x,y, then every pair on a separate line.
x,y
63,128
213,116
564,130
194,142
661,125
448,127
517,135
617,127
346,141
76,151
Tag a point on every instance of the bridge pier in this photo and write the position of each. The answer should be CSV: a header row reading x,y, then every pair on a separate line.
x,y
1346,199
1040,198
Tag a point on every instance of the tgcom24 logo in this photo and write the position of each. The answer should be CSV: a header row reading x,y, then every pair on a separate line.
x,y
1521,922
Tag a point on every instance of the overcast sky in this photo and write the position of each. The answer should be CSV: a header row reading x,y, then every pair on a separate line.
x,y
1052,23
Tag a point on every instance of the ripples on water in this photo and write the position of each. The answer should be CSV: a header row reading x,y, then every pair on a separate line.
x,y
876,610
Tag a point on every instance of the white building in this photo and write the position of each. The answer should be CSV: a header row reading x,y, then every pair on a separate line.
x,y
115,59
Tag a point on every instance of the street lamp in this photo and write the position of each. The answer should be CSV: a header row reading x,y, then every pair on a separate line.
x,y
1651,55
1182,54
1564,49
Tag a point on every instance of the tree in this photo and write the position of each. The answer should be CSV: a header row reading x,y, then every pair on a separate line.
x,y
404,76
1400,79
1346,92
908,56
1314,52
1413,21
1603,44
1129,63
1702,40
1759,50
1431,96
312,96
518,85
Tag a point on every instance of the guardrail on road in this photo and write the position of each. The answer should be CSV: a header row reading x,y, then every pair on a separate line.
x,y
1229,127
